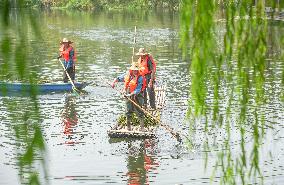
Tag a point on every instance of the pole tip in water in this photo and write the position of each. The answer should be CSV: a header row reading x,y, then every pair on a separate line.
x,y
178,138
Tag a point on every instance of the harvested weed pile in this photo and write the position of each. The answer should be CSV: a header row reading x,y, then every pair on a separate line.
x,y
148,121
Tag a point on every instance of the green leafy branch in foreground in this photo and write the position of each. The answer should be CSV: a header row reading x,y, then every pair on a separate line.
x,y
228,64
24,113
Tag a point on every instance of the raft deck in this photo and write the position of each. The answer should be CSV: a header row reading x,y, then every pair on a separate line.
x,y
120,131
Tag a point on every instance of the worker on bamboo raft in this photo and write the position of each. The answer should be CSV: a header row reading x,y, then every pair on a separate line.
x,y
67,52
134,86
148,69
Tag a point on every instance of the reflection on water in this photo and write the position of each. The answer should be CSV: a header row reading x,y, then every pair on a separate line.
x,y
70,120
140,162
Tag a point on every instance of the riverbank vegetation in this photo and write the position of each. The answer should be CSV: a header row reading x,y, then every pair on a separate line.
x,y
123,4
102,4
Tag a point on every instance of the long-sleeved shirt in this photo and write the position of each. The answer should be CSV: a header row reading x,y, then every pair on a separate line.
x,y
138,88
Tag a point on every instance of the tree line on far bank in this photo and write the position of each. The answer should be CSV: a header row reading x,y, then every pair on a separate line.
x,y
103,4
124,4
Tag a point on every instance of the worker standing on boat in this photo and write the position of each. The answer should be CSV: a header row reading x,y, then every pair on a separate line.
x,y
148,69
134,86
67,52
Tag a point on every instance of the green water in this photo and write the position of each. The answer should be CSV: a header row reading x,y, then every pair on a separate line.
x,y
78,149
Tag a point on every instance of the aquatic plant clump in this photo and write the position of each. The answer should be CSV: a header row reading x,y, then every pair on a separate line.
x,y
148,121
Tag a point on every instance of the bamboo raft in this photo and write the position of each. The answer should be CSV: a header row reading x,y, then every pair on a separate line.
x,y
120,130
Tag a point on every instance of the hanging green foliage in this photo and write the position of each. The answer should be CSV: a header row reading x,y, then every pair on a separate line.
x,y
15,64
226,43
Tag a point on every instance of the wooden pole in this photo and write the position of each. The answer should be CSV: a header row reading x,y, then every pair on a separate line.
x,y
72,83
134,42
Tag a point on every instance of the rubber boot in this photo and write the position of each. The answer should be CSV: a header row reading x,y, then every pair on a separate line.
x,y
142,129
128,124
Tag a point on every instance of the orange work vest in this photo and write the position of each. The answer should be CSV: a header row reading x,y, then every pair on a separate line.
x,y
143,64
130,82
66,53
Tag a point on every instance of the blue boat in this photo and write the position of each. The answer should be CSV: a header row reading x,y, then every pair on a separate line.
x,y
41,88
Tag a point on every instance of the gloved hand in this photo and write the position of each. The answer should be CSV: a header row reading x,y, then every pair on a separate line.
x,y
59,57
113,84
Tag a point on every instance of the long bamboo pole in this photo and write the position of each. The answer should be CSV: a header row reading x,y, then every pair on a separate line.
x,y
134,42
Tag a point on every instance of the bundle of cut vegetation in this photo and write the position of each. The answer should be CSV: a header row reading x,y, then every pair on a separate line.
x,y
148,121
